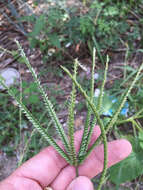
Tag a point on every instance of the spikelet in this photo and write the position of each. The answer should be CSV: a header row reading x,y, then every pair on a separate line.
x,y
35,123
124,99
115,116
70,155
103,134
100,98
85,141
100,101
86,97
71,119
47,102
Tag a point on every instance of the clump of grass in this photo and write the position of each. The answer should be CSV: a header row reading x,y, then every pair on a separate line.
x,y
70,154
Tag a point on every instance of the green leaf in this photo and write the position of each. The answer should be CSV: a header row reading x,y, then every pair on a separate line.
x,y
39,25
54,39
33,86
141,139
30,18
33,42
130,168
33,99
106,104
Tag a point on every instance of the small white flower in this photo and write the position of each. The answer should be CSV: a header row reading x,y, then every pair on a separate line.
x,y
114,100
97,92
68,44
96,76
66,16
10,76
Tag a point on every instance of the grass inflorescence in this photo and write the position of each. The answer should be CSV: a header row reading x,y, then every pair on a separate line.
x,y
93,115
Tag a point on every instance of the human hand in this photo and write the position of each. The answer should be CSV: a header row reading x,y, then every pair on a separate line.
x,y
48,168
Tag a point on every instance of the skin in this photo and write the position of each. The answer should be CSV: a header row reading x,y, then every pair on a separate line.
x,y
48,168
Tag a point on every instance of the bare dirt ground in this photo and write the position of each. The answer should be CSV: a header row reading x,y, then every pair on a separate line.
x,y
7,165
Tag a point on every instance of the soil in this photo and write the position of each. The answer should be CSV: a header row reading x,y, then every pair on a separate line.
x,y
7,165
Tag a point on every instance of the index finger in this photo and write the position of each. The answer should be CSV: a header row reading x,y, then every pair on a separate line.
x,y
45,166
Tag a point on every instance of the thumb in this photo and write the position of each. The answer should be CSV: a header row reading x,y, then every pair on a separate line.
x,y
81,183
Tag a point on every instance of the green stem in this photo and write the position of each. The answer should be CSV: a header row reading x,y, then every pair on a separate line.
x,y
138,113
136,125
136,116
104,168
77,173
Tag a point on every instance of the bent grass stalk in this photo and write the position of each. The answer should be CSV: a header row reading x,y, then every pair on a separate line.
x,y
70,153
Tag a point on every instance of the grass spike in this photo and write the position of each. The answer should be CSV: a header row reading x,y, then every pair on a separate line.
x,y
71,118
103,133
90,132
113,120
100,98
84,142
104,167
35,123
86,97
47,102
98,49
115,116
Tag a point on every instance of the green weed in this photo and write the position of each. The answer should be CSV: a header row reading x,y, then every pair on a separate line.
x,y
110,23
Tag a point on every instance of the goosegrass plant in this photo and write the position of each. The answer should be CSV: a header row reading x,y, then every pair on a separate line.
x,y
69,153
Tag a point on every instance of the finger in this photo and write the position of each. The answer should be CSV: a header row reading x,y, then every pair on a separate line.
x,y
93,165
81,183
45,166
117,151
19,183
